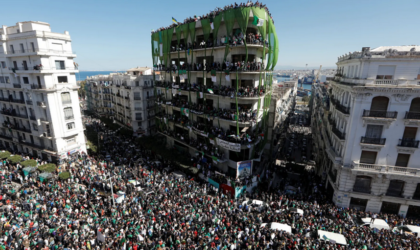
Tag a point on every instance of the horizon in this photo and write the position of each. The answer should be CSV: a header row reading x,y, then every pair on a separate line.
x,y
309,32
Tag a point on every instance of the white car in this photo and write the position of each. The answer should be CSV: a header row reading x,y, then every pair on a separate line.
x,y
259,205
409,229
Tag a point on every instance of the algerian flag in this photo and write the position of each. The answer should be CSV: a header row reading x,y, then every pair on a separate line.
x,y
213,78
227,77
161,49
185,112
258,22
212,26
201,95
210,91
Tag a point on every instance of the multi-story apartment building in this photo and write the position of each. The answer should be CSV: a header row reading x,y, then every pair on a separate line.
x,y
366,128
217,86
40,112
128,98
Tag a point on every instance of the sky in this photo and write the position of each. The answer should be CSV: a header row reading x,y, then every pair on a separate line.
x,y
115,35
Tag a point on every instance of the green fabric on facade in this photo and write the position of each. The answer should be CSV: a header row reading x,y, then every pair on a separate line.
x,y
205,23
261,14
178,31
242,17
216,22
229,18
164,39
191,30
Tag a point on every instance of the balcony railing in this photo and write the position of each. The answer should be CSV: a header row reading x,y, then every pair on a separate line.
x,y
29,102
37,50
368,140
36,86
342,109
409,143
412,115
338,133
66,102
380,114
69,117
385,169
33,118
137,98
15,114
138,108
376,82
17,85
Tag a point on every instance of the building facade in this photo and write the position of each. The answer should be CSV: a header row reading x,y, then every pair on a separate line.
x,y
40,112
366,126
216,94
127,98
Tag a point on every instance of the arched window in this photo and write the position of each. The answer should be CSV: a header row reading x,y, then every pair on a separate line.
x,y
395,188
68,113
414,112
65,98
379,103
362,184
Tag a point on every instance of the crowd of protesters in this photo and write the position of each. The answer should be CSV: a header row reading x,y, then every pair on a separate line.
x,y
216,12
153,208
241,66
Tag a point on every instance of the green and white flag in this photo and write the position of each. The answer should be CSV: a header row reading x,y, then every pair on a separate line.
x,y
258,22
185,112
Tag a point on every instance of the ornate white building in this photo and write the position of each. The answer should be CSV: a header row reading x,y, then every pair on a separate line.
x,y
366,130
40,112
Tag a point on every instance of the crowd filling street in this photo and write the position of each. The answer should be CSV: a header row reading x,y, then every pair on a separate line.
x,y
127,197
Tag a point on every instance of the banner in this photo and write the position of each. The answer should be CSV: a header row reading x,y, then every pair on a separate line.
x,y
244,169
236,147
196,112
213,183
199,132
227,190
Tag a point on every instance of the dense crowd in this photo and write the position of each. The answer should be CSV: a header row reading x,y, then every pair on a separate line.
x,y
155,208
216,12
226,66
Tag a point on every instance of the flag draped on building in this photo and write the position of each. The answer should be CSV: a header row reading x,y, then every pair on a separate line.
x,y
185,112
213,75
227,75
258,22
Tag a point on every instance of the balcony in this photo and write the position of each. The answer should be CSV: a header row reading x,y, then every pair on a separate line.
x,y
29,102
342,109
376,82
137,98
412,115
69,117
380,114
384,169
138,108
67,102
126,97
368,140
41,104
33,118
338,133
35,86
17,85
14,114
408,143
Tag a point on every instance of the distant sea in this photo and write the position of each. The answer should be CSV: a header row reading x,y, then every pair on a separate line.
x,y
82,75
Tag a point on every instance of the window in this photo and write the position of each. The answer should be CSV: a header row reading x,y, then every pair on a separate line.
x,y
3,65
402,160
71,125
62,79
379,103
390,207
68,113
60,65
35,126
137,83
71,141
137,96
65,98
33,47
395,188
374,131
7,79
138,117
416,194
362,184
12,49
368,157
2,79
386,72
25,80
22,49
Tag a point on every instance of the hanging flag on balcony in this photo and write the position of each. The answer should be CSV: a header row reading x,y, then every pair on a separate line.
x,y
185,112
160,44
258,21
210,91
227,75
174,20
201,95
211,23
213,78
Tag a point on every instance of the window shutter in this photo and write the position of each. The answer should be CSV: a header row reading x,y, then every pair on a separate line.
x,y
368,157
379,103
402,160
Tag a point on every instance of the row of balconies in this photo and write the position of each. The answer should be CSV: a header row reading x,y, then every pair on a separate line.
x,y
385,169
404,142
36,51
377,82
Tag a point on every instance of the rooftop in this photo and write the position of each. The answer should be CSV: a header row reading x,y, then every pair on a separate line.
x,y
142,69
398,48
404,51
